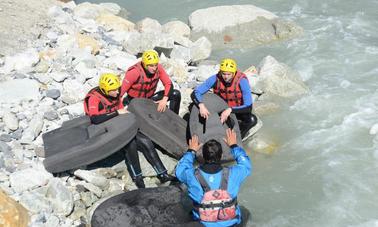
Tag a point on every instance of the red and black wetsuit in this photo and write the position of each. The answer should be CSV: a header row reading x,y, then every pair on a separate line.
x,y
101,108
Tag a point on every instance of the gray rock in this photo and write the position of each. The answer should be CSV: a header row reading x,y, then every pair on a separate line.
x,y
21,61
18,154
21,116
22,89
278,79
181,52
60,197
92,177
42,78
92,188
35,127
42,67
88,198
76,109
253,26
18,75
201,49
148,25
5,148
53,93
51,115
28,179
111,7
59,76
5,138
176,28
17,134
63,111
40,151
52,36
35,202
87,10
4,177
120,62
116,185
74,91
52,221
132,43
79,210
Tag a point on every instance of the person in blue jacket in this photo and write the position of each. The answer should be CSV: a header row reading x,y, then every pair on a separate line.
x,y
212,178
233,87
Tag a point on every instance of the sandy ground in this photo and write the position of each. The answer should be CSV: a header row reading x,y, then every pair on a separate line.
x,y
21,21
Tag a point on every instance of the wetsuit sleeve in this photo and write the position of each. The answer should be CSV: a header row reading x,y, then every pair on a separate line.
x,y
185,167
94,112
165,80
243,167
200,90
247,98
98,119
130,78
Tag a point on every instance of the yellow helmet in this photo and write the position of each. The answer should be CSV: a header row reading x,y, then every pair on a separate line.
x,y
150,57
228,65
109,82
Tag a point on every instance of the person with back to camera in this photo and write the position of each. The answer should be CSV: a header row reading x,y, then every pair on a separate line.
x,y
212,187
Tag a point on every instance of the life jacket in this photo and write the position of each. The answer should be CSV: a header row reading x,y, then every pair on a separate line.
x,y
105,106
232,93
216,205
144,87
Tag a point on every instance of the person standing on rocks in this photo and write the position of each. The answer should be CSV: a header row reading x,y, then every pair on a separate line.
x,y
212,187
103,103
141,81
233,87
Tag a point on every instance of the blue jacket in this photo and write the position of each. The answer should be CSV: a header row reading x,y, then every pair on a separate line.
x,y
200,90
238,173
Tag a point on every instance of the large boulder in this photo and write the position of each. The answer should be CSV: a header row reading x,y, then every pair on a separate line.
x,y
21,62
13,91
12,213
176,28
115,23
280,80
240,26
148,25
86,41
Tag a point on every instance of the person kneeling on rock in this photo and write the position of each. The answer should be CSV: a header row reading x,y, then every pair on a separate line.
x,y
141,81
212,187
103,103
233,87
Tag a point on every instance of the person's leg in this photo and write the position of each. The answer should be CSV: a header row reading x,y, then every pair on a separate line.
x,y
132,163
146,146
174,99
246,122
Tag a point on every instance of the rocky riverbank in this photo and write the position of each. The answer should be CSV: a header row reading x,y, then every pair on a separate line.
x,y
44,85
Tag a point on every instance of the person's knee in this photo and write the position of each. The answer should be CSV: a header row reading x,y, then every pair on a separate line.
x,y
253,120
176,94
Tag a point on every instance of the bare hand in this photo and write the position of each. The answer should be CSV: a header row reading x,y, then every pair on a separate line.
x,y
204,112
194,143
225,114
162,104
122,111
230,137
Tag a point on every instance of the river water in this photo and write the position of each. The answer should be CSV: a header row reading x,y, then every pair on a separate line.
x,y
325,169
